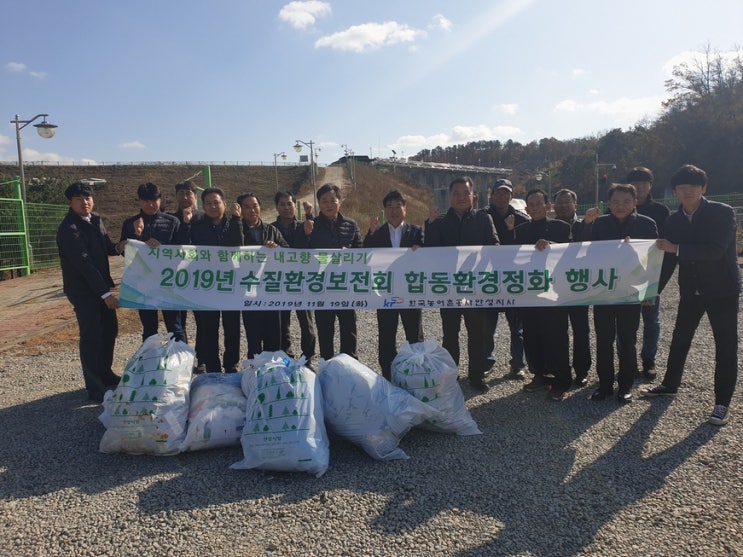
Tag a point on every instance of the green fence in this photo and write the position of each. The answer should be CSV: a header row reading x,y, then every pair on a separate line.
x,y
21,254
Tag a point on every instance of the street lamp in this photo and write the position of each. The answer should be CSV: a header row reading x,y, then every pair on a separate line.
x,y
276,168
45,130
598,166
351,163
298,149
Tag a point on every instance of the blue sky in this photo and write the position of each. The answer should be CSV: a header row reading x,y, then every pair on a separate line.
x,y
241,80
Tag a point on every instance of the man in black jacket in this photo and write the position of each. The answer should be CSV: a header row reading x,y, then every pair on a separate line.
x,y
618,321
395,233
506,218
701,239
155,228
330,229
185,196
463,226
566,202
262,328
293,232
216,229
84,247
545,328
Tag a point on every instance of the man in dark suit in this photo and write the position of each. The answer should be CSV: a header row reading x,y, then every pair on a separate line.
x,y
566,202
463,226
546,343
701,239
293,232
618,321
396,233
84,247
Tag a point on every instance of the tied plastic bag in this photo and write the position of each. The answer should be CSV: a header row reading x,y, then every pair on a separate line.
x,y
216,413
148,410
367,410
428,372
284,425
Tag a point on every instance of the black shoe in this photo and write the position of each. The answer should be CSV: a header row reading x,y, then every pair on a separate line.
x,y
648,371
536,384
581,381
624,397
479,385
517,373
659,390
599,395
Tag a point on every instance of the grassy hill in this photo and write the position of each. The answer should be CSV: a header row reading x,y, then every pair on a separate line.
x,y
116,200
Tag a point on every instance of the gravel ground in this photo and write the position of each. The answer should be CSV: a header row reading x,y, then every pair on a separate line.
x,y
545,478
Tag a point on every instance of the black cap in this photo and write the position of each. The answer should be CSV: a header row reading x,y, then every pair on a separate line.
x,y
503,183
78,189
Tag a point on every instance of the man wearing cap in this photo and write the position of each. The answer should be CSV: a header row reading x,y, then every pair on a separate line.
x,y
506,218
642,178
155,228
84,247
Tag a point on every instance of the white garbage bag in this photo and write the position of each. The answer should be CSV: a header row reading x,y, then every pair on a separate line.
x,y
364,408
148,410
428,372
284,425
216,413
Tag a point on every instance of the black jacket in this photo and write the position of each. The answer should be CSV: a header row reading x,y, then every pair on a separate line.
x,y
707,258
343,233
185,229
529,233
412,235
266,232
84,248
161,226
506,236
637,227
656,211
293,233
227,233
475,228
577,227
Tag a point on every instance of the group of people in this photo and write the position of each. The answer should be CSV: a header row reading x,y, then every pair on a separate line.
x,y
699,238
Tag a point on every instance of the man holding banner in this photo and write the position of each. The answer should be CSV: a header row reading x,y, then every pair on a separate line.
x,y
463,226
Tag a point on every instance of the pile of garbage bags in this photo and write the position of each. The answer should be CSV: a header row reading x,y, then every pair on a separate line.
x,y
277,408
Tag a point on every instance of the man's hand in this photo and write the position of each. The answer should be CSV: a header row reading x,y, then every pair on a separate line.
x,y
187,215
112,302
138,227
237,211
591,215
308,210
510,221
542,244
666,245
308,226
374,224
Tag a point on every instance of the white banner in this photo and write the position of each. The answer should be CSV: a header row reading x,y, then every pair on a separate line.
x,y
259,278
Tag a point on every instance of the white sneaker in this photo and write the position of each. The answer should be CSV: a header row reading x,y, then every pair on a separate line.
x,y
720,415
